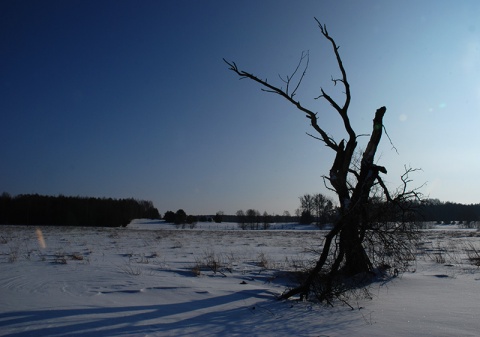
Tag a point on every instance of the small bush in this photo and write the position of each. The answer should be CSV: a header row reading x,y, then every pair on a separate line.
x,y
60,259
217,263
263,260
130,269
13,255
77,256
473,254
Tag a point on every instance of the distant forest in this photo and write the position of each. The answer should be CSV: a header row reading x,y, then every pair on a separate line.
x,y
448,212
34,209
430,210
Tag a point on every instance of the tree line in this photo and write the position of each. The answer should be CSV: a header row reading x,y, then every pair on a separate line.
x,y
34,209
180,218
448,212
321,210
317,209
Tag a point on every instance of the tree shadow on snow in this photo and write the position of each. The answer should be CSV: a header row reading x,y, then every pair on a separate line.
x,y
117,321
199,317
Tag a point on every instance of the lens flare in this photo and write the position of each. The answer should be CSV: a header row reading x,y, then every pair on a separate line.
x,y
41,240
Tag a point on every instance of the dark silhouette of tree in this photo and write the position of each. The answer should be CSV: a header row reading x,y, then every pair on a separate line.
x,y
266,220
218,218
323,209
315,208
241,219
306,218
169,217
307,204
148,209
344,257
192,221
180,217
252,218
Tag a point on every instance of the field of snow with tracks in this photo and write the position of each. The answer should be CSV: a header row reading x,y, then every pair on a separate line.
x,y
153,279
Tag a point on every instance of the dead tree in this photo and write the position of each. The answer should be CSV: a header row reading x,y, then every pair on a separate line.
x,y
346,252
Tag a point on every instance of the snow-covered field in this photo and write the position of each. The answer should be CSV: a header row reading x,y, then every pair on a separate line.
x,y
151,279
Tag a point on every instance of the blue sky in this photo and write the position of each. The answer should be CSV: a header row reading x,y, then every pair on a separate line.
x,y
132,98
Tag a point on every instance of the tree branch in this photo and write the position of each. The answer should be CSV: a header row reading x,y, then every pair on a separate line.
x,y
273,89
304,55
385,189
391,143
344,109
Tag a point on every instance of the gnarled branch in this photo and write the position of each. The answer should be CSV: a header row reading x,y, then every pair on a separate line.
x,y
273,89
343,110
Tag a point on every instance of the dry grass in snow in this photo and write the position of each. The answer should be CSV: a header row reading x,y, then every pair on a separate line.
x,y
151,279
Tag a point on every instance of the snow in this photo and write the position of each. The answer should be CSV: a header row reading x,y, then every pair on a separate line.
x,y
152,279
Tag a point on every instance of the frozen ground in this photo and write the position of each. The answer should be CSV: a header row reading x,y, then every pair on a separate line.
x,y
151,279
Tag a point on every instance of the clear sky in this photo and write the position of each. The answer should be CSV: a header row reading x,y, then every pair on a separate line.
x,y
132,99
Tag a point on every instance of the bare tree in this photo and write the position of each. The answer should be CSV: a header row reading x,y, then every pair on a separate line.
x,y
252,217
323,208
307,203
241,219
266,219
346,253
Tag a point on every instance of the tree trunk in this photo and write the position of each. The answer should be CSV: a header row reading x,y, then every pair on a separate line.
x,y
356,259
